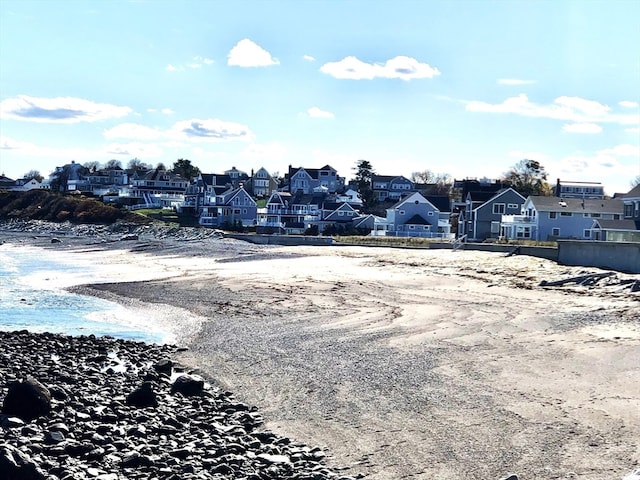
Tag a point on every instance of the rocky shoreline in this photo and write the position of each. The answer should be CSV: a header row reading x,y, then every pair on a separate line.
x,y
104,408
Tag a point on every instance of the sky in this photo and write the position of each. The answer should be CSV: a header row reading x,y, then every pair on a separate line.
x,y
467,88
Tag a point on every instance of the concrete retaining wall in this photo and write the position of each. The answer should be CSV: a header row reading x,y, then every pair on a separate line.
x,y
550,253
621,256
286,240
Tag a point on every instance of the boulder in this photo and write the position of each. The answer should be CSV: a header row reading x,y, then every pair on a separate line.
x,y
188,385
143,396
16,465
28,399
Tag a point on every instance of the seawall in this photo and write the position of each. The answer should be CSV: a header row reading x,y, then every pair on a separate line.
x,y
621,256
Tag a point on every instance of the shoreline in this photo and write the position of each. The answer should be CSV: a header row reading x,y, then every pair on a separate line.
x,y
424,364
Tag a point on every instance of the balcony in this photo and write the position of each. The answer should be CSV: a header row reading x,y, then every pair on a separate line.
x,y
519,219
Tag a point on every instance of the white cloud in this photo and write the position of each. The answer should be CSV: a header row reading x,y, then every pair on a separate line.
x,y
171,68
309,58
514,81
582,128
59,110
315,112
574,109
624,150
194,63
402,67
249,54
133,130
628,104
632,130
209,130
167,111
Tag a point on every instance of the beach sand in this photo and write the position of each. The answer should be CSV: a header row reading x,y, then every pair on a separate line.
x,y
402,363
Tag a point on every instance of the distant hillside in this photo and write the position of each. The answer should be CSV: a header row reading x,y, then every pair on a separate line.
x,y
55,207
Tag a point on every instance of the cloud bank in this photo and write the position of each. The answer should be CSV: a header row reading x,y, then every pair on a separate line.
x,y
59,110
402,67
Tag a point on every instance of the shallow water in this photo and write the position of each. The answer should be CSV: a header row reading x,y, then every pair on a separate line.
x,y
32,298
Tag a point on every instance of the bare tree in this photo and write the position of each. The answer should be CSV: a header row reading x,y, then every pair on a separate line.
x,y
112,164
440,183
635,182
33,174
92,166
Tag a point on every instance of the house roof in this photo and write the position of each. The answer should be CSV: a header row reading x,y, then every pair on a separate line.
x,y
578,205
441,202
497,195
481,196
633,193
624,224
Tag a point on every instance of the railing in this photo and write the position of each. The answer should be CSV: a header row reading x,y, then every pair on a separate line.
x,y
458,243
518,219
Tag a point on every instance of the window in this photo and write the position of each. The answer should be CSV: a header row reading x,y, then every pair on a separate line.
x,y
495,227
401,212
512,206
565,214
586,233
555,232
412,227
628,210
596,215
236,211
553,215
498,208
430,214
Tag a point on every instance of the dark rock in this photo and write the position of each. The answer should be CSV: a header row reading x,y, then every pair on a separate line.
x,y
7,421
56,240
163,366
15,465
188,385
54,437
510,477
143,396
28,399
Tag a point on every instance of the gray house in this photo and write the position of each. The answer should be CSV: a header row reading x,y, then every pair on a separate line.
x,y
626,229
307,180
551,218
390,187
413,216
231,207
481,219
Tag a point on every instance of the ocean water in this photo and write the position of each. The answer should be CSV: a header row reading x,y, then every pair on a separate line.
x,y
32,298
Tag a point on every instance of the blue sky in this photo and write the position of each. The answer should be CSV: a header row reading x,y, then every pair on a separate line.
x,y
467,88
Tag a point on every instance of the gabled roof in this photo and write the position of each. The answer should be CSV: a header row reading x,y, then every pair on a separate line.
x,y
413,197
215,179
230,194
480,196
577,205
497,196
388,178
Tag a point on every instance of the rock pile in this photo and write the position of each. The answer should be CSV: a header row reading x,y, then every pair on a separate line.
x,y
107,409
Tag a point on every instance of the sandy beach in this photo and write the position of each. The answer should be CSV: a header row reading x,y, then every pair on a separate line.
x,y
417,364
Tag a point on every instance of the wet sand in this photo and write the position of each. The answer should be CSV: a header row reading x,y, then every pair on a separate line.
x,y
420,364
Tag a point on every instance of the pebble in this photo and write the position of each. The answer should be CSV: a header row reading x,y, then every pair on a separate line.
x,y
132,425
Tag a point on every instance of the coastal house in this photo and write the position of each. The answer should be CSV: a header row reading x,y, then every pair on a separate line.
x,y
413,216
157,188
305,180
390,187
627,229
481,217
551,218
24,184
571,189
232,207
107,180
285,213
236,176
261,183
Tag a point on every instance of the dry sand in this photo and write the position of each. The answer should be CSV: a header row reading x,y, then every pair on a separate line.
x,y
416,364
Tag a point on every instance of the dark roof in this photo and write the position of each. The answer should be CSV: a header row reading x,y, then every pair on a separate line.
x,y
633,193
481,195
417,220
624,224
441,202
579,205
